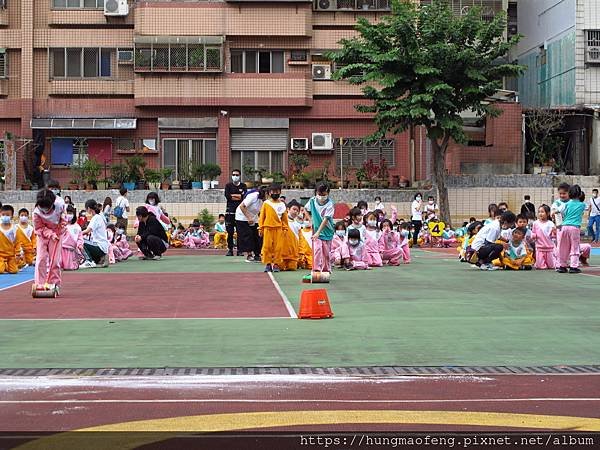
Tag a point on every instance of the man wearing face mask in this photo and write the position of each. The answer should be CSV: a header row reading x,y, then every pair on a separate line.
x,y
234,192
594,220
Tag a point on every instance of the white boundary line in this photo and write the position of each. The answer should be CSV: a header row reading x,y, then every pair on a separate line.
x,y
121,319
15,285
323,400
286,301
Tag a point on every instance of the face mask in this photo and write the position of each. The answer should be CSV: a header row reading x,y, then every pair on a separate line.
x,y
307,224
23,219
404,233
372,223
69,217
56,191
353,242
152,202
5,220
235,178
322,198
418,199
45,210
340,233
431,202
120,231
275,196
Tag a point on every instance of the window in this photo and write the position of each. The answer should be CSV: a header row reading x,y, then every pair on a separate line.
x,y
542,57
81,62
80,151
181,154
355,151
299,55
253,61
78,4
178,57
349,5
592,46
3,63
268,161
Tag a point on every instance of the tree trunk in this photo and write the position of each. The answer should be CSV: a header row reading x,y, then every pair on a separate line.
x,y
439,172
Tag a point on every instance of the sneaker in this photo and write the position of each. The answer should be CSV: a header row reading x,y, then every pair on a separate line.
x,y
257,259
88,265
488,267
230,253
57,290
156,258
103,261
276,268
249,259
143,258
268,268
562,270
574,270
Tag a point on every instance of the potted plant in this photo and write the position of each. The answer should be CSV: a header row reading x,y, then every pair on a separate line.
x,y
165,178
361,177
152,176
119,175
185,176
211,171
206,219
198,174
384,175
249,174
135,166
298,163
91,172
2,170
26,185
403,182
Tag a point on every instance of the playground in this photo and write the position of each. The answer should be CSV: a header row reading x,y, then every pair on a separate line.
x,y
199,341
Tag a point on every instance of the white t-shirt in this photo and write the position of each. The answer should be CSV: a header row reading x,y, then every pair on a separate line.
x,y
123,203
594,206
489,233
98,236
253,204
415,210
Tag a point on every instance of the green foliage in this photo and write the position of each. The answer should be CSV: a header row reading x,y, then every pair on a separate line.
x,y
212,171
298,163
135,168
91,170
119,173
165,174
152,175
198,171
206,219
424,66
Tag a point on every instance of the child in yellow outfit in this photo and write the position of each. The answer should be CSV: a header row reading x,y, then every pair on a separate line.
x,y
305,243
289,251
220,239
272,226
517,256
9,241
26,237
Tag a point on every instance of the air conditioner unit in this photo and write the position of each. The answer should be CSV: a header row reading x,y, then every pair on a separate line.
x,y
326,5
116,8
592,55
321,71
125,56
299,144
322,141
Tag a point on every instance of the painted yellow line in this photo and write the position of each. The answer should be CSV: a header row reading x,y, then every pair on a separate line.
x,y
257,420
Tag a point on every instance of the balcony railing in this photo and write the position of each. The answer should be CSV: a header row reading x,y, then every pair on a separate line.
x,y
352,5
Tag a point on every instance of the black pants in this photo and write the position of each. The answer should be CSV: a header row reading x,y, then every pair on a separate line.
x,y
152,246
489,252
230,226
93,252
248,238
418,224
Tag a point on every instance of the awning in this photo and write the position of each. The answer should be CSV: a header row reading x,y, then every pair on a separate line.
x,y
83,124
208,40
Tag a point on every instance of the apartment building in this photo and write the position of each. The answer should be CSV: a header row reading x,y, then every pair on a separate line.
x,y
243,84
561,49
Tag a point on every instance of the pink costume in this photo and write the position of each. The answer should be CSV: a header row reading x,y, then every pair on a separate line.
x,y
568,246
49,228
389,247
585,250
339,249
200,239
113,256
372,248
359,256
405,247
158,213
321,255
72,243
122,246
544,245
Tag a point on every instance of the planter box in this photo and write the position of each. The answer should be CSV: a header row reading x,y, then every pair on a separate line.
x,y
197,185
129,186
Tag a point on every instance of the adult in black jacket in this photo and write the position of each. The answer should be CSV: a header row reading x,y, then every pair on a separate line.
x,y
234,192
151,237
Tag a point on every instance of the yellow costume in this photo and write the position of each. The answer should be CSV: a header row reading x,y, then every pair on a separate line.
x,y
9,244
220,238
26,237
273,223
290,251
515,258
305,249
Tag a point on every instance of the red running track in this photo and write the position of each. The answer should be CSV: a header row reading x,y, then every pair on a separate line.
x,y
168,296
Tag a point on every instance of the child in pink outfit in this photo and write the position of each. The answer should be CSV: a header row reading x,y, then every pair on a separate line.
x,y
121,244
72,242
49,225
358,253
196,237
389,244
372,235
544,233
405,242
339,254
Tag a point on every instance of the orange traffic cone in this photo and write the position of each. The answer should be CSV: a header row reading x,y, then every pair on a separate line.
x,y
314,304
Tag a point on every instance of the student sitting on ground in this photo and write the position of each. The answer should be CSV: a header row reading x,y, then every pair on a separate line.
x,y
220,238
196,237
484,244
305,258
517,256
9,243
389,244
121,243
359,259
339,255
26,238
72,242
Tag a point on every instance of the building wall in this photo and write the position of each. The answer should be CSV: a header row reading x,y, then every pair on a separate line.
x,y
588,76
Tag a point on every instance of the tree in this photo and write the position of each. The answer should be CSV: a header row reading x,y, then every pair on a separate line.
x,y
422,65
545,144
